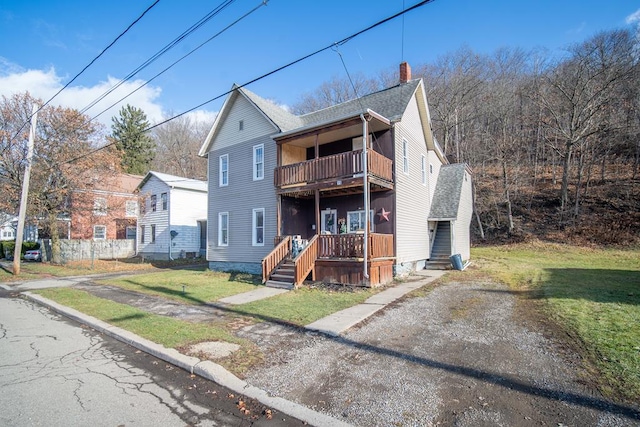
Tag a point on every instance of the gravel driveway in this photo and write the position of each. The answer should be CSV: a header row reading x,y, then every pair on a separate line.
x,y
461,355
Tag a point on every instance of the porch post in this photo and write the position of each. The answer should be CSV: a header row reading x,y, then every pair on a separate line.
x,y
365,243
317,211
279,216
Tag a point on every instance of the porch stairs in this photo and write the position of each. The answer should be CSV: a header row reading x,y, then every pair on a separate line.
x,y
283,276
441,249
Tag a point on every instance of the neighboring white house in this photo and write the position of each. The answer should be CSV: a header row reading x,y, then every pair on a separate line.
x,y
8,226
173,217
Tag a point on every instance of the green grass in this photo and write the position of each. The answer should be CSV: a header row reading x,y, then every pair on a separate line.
x,y
594,294
163,330
304,305
199,286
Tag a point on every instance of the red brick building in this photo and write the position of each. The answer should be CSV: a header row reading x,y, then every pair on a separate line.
x,y
108,211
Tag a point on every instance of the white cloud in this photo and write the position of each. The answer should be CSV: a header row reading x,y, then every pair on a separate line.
x,y
44,84
634,17
202,116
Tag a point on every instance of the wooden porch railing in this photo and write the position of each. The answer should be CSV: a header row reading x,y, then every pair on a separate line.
x,y
352,245
271,261
333,167
305,260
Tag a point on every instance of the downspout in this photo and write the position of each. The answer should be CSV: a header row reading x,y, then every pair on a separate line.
x,y
365,244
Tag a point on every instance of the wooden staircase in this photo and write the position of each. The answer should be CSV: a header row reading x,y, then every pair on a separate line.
x,y
441,248
283,276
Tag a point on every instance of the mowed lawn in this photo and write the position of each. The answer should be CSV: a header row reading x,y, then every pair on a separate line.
x,y
594,294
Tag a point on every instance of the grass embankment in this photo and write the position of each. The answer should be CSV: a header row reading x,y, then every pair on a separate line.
x,y
593,294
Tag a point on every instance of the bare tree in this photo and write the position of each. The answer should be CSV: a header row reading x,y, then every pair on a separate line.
x,y
177,145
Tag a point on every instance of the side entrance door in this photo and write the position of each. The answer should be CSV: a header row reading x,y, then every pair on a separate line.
x,y
328,221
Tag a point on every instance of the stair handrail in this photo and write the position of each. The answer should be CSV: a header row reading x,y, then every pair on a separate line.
x,y
305,261
275,257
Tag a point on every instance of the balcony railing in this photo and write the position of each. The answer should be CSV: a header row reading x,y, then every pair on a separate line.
x,y
333,167
352,245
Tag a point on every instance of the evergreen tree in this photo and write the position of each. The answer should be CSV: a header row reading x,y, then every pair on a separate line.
x,y
137,147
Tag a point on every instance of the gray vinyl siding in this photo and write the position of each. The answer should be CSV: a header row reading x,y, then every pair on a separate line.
x,y
462,224
412,197
243,194
159,218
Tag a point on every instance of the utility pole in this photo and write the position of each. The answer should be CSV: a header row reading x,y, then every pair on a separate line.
x,y
25,193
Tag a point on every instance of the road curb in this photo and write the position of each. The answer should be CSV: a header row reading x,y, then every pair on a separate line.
x,y
206,369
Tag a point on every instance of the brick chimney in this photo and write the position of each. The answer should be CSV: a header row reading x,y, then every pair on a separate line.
x,y
405,72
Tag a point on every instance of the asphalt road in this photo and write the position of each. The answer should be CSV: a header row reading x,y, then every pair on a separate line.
x,y
54,372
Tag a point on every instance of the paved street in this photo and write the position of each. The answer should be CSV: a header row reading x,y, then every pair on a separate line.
x,y
54,372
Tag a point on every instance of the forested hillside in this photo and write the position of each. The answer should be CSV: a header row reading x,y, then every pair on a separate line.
x,y
554,142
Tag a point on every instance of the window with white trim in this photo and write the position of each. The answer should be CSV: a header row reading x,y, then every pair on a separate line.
x,y
131,208
258,162
224,170
405,156
154,202
142,234
356,221
163,200
99,232
424,170
223,229
257,236
153,233
100,206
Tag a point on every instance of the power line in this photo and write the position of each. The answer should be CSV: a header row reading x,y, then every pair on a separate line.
x,y
162,51
262,3
88,65
332,45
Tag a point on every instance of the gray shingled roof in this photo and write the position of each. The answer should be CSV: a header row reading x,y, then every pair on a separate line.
x,y
174,181
390,103
446,199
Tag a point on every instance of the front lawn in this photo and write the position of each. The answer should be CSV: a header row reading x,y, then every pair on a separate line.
x,y
594,294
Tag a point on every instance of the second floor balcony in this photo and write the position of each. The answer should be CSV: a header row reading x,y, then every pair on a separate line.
x,y
338,171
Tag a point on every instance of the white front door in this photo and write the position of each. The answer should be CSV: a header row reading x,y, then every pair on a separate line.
x,y
328,221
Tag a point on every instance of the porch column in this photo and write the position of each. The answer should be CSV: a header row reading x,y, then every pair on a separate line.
x,y
317,211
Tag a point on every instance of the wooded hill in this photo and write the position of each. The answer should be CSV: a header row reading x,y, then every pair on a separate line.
x,y
554,142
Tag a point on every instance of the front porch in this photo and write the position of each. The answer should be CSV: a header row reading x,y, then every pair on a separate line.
x,y
332,258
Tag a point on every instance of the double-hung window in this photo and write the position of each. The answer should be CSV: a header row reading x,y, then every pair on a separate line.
x,y
424,170
154,202
153,233
99,232
163,200
142,234
131,208
405,156
223,229
258,162
224,170
100,206
258,227
356,221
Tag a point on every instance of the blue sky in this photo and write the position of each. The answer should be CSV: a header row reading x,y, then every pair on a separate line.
x,y
43,44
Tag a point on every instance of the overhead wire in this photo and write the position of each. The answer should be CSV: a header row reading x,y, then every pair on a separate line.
x,y
87,66
296,61
262,3
210,15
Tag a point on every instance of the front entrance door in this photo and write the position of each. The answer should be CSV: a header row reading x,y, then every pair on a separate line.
x,y
328,221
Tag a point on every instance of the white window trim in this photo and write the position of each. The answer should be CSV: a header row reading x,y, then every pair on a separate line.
x,y
128,212
105,232
100,206
220,215
371,226
424,170
220,172
152,240
254,235
405,156
255,162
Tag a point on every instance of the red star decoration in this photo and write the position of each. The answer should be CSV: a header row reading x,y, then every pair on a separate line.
x,y
384,214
